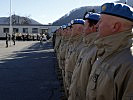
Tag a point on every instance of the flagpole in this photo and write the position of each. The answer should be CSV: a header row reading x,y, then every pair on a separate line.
x,y
10,29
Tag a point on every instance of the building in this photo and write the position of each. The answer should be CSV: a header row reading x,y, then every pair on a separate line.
x,y
23,26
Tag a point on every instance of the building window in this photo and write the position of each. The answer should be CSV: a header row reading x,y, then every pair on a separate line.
x,y
25,30
6,30
34,30
15,30
44,31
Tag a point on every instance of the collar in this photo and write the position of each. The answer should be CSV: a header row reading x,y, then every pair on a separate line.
x,y
76,38
114,43
90,38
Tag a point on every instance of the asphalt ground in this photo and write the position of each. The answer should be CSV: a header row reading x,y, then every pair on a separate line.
x,y
27,72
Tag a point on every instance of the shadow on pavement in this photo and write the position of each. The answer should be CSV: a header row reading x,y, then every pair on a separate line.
x,y
30,74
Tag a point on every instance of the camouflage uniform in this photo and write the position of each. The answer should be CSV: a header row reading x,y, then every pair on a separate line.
x,y
57,44
111,76
82,69
71,58
62,51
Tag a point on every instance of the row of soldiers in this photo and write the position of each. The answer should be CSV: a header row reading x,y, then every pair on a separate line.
x,y
95,54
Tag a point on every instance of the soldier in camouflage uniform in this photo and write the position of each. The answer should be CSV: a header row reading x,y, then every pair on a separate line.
x,y
62,51
57,41
111,77
74,42
85,60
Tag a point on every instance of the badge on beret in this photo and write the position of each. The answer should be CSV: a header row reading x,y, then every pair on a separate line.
x,y
87,15
72,21
103,7
118,9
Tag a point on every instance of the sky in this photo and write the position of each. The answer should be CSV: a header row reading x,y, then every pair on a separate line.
x,y
45,11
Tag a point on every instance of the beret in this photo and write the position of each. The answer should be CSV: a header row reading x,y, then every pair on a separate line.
x,y
64,26
118,9
77,21
92,16
69,25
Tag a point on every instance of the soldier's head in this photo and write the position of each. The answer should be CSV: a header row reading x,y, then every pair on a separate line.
x,y
69,29
59,30
115,18
63,32
91,20
77,26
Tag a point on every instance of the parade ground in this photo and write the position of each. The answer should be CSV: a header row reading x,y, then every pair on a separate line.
x,y
27,71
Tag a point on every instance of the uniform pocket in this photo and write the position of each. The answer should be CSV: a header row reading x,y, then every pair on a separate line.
x,y
93,81
94,78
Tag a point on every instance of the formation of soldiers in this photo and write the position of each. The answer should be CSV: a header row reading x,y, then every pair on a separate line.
x,y
95,55
28,37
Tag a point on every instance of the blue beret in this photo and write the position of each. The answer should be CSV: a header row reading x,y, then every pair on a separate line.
x,y
64,26
118,9
92,16
77,21
69,25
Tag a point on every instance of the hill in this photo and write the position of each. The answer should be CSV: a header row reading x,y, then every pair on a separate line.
x,y
77,13
18,20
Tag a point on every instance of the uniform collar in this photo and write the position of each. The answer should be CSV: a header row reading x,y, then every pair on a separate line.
x,y
65,38
72,39
114,43
90,38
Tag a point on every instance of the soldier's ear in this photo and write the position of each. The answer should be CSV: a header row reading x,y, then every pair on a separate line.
x,y
116,27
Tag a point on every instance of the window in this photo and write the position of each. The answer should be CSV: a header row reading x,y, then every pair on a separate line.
x,y
15,30
44,31
34,30
25,30
6,30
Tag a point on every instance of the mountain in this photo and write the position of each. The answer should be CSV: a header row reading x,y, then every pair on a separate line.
x,y
18,20
77,13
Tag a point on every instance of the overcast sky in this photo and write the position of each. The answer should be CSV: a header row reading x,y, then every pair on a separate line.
x,y
45,11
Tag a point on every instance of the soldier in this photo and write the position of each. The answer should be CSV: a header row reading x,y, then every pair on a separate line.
x,y
62,50
69,31
57,41
13,38
111,77
75,41
53,38
85,60
7,39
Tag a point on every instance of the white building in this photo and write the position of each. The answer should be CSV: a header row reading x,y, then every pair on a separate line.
x,y
23,25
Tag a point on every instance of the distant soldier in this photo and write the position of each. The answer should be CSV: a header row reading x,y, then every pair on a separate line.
x,y
53,39
7,39
41,40
13,38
